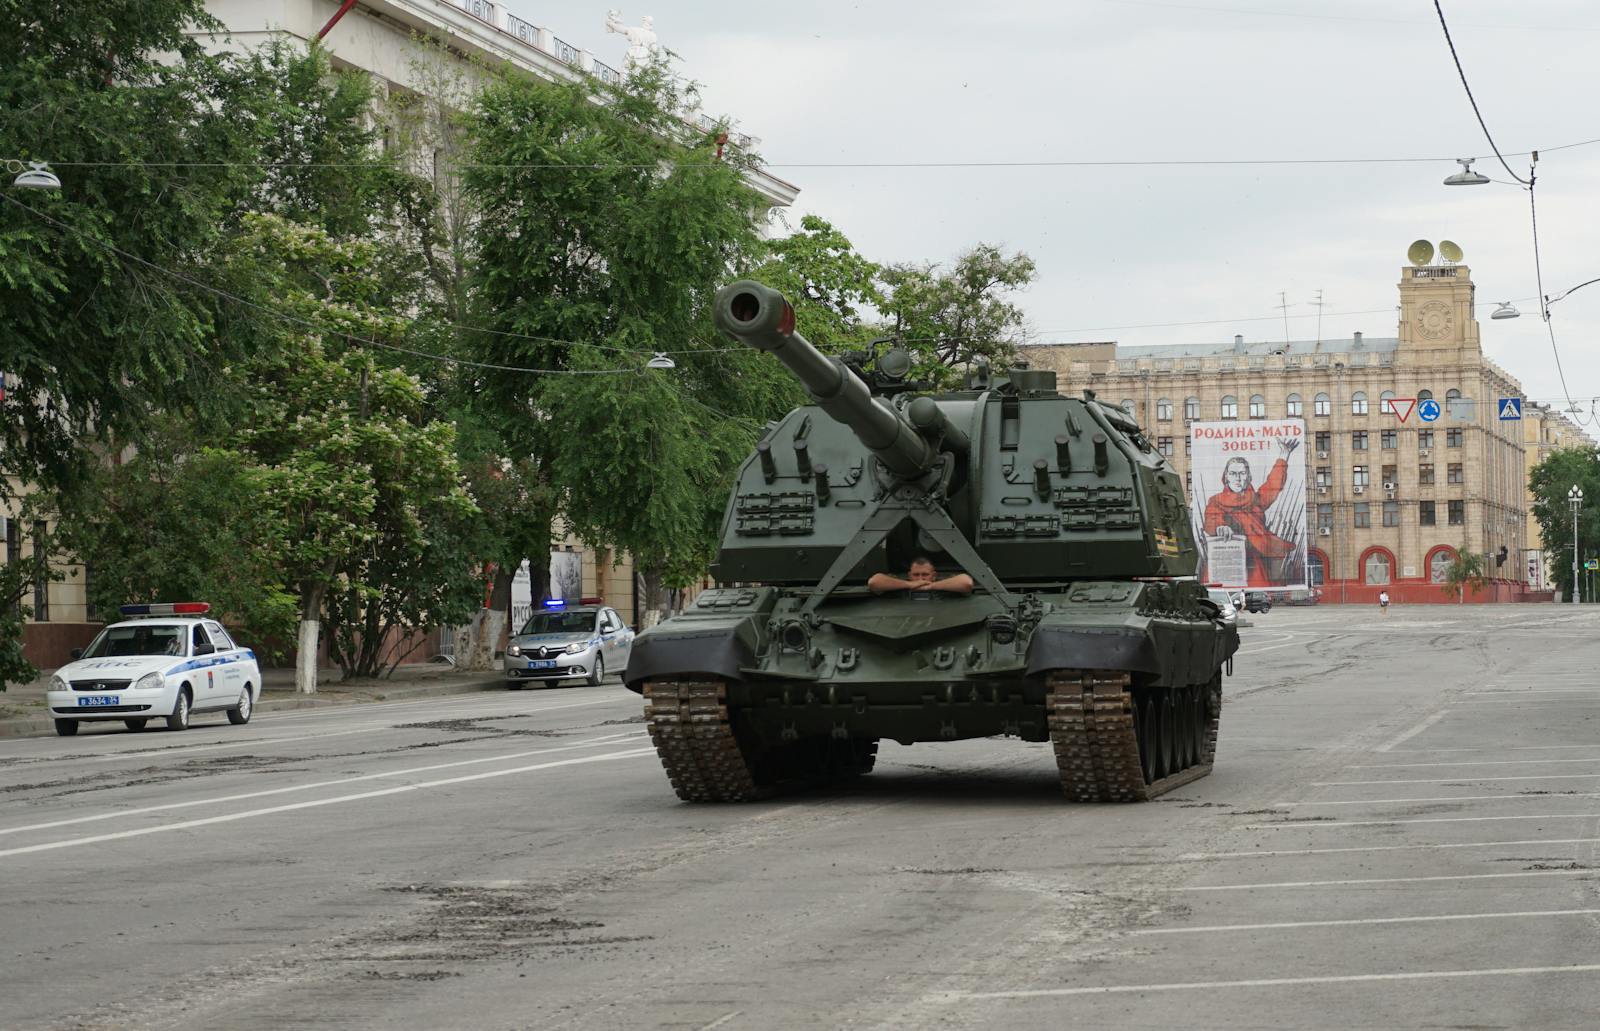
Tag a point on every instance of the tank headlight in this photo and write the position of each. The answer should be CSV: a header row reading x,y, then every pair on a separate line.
x,y
515,651
150,682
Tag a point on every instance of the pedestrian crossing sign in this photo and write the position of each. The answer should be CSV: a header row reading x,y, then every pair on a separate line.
x,y
1510,408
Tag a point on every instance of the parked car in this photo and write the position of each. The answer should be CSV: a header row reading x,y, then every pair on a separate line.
x,y
1257,601
558,643
166,662
1224,601
1309,596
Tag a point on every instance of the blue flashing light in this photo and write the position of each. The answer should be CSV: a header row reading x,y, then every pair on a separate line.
x,y
555,603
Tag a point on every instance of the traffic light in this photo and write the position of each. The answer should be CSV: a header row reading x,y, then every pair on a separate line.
x,y
1500,557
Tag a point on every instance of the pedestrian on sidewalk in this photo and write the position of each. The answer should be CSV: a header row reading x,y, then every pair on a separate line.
x,y
1383,601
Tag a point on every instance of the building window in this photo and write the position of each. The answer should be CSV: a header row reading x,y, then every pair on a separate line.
x,y
1292,407
1453,438
1360,476
1391,477
1324,441
1191,408
1164,445
41,582
1453,473
13,541
1358,440
1426,514
1389,440
1230,407
1424,395
1164,410
1188,479
1363,515
1325,517
1376,568
1188,446
1358,403
1127,406
1258,406
1439,565
1458,513
1425,475
1425,439
1324,475
1386,403
1322,405
1391,513
1316,569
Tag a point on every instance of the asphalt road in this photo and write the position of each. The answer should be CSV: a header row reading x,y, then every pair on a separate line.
x,y
1401,832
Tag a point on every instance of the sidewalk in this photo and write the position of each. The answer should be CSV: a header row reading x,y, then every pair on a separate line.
x,y
23,712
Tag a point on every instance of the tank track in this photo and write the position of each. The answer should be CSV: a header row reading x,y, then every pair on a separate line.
x,y
1114,743
688,722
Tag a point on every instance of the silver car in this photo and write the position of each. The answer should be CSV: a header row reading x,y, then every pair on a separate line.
x,y
1224,601
558,643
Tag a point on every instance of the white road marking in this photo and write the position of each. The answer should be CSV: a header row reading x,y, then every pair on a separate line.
x,y
609,739
1483,762
50,846
1290,925
1535,690
1268,648
721,1020
1414,731
1317,824
1497,749
1453,780
1446,798
1264,982
1348,882
1200,856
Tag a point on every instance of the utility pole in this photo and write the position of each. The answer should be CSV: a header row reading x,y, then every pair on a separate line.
x,y
1575,500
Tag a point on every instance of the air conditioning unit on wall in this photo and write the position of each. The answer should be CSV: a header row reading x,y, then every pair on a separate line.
x,y
1323,531
1322,454
1358,490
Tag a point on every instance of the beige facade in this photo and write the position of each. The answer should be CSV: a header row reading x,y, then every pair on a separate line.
x,y
1389,500
1544,430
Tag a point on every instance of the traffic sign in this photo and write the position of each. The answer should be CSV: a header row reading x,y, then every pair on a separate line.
x,y
1510,409
1402,406
1591,563
1428,410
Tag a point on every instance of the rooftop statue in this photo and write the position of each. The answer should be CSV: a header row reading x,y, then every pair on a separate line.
x,y
642,45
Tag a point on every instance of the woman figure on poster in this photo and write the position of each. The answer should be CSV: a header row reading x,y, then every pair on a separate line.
x,y
1240,509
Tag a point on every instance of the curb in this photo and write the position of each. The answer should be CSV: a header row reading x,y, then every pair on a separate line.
x,y
40,726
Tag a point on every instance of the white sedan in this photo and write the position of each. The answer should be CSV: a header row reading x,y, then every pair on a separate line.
x,y
168,665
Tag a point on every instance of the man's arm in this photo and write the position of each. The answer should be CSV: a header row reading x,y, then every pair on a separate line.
x,y
961,583
883,583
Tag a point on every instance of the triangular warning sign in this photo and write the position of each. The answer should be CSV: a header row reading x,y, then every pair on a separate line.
x,y
1402,407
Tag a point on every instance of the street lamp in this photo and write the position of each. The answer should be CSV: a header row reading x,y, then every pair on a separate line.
x,y
1548,300
1575,500
1466,177
35,176
1507,310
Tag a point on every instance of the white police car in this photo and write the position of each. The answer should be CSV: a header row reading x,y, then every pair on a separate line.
x,y
167,663
558,642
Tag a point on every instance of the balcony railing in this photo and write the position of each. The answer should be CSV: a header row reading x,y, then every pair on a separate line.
x,y
483,10
563,50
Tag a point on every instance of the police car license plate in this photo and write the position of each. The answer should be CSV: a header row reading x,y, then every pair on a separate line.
x,y
542,664
90,701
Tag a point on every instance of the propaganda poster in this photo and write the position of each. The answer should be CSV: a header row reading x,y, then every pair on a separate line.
x,y
1248,498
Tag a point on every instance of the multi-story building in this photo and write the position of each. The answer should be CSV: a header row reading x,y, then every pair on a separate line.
x,y
1545,429
1390,498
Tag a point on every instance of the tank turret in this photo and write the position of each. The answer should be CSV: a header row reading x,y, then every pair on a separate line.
x,y
996,560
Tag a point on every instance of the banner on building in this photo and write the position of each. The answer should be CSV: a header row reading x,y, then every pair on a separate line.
x,y
1248,497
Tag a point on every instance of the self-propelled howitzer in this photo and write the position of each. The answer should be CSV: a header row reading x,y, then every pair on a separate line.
x,y
1084,626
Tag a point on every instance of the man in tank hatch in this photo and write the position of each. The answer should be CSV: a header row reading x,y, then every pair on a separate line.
x,y
920,577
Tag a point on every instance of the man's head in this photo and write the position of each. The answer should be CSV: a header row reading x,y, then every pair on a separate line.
x,y
1236,475
921,571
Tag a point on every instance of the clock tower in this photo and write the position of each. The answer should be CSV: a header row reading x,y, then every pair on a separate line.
x,y
1436,303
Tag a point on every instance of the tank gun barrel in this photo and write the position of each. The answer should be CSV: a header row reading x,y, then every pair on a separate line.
x,y
758,316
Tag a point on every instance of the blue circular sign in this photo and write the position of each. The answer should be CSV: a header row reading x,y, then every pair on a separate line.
x,y
1428,410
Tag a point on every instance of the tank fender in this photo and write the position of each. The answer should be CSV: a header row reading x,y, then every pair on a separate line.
x,y
718,650
1189,658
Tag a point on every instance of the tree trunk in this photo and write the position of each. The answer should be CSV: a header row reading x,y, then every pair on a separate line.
x,y
487,625
305,662
655,598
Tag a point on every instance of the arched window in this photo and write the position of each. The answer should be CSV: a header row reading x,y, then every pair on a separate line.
x,y
1230,407
1386,403
1452,395
1424,395
1455,406
1322,405
1191,408
1292,407
1358,403
1439,563
1376,567
1164,409
1258,406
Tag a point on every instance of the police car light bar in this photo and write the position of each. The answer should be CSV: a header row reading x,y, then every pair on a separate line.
x,y
171,608
555,603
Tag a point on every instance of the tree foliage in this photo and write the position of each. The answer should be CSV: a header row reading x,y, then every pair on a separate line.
x,y
946,318
833,288
1550,481
1465,574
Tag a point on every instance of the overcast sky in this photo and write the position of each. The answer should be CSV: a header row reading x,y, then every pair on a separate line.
x,y
1211,247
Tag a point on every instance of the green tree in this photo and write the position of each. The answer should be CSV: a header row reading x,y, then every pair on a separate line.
x,y
605,229
948,318
827,281
1465,573
1549,482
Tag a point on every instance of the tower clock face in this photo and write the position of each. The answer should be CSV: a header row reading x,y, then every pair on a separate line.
x,y
1434,320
